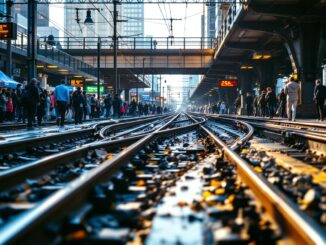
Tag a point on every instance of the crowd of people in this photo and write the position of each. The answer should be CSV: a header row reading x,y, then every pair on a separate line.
x,y
36,105
268,104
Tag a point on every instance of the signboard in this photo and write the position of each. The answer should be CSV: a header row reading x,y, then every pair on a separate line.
x,y
76,82
159,98
8,31
228,83
133,94
146,98
93,89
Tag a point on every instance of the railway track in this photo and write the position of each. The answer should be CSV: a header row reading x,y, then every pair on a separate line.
x,y
24,151
290,167
174,185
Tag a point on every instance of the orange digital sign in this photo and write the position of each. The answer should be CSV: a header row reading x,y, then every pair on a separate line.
x,y
76,82
8,31
228,83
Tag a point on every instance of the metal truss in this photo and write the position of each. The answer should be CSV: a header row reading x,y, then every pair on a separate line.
x,y
207,2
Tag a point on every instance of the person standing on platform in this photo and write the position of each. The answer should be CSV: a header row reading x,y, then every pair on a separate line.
x,y
282,104
319,99
249,103
117,103
62,99
262,103
3,105
271,102
31,100
40,111
78,105
92,102
19,109
86,104
292,97
107,104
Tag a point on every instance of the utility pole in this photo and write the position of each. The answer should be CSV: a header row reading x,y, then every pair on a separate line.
x,y
160,90
144,69
163,93
115,48
152,88
31,39
137,89
98,67
9,52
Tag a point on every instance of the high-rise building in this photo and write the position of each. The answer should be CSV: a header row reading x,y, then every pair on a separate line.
x,y
42,13
210,20
130,21
2,8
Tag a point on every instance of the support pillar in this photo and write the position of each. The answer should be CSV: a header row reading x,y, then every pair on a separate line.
x,y
266,74
307,48
246,79
31,39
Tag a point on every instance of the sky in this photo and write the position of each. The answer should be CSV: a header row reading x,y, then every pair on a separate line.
x,y
188,26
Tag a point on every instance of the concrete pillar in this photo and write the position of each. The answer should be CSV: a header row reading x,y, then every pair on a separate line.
x,y
246,79
266,74
307,49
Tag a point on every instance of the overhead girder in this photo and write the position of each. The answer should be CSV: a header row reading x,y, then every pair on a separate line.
x,y
130,1
303,8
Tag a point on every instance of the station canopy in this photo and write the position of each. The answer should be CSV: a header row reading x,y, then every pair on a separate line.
x,y
7,82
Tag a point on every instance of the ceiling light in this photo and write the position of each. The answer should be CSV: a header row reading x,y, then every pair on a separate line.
x,y
267,56
40,66
52,66
63,70
78,76
88,79
243,67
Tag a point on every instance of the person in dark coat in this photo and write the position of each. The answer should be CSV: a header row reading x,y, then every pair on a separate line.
x,y
249,104
282,103
271,101
78,104
31,100
319,99
117,103
262,103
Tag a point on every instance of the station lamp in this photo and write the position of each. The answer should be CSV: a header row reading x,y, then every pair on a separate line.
x,y
88,20
261,56
52,66
244,67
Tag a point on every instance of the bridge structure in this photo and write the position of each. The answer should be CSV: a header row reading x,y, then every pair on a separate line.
x,y
142,55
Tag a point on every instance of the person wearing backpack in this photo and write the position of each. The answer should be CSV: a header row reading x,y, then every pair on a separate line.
x,y
319,99
30,100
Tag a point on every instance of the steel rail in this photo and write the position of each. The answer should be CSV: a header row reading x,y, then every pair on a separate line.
x,y
21,144
76,192
119,126
297,227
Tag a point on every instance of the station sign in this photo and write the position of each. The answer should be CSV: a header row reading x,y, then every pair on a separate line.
x,y
228,83
93,89
8,31
77,82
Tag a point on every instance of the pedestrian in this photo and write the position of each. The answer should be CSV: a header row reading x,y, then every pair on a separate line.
x,y
19,108
30,100
108,105
249,104
62,100
86,105
117,103
9,107
292,96
271,102
319,99
222,108
47,107
78,105
282,104
92,103
40,111
3,105
262,103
